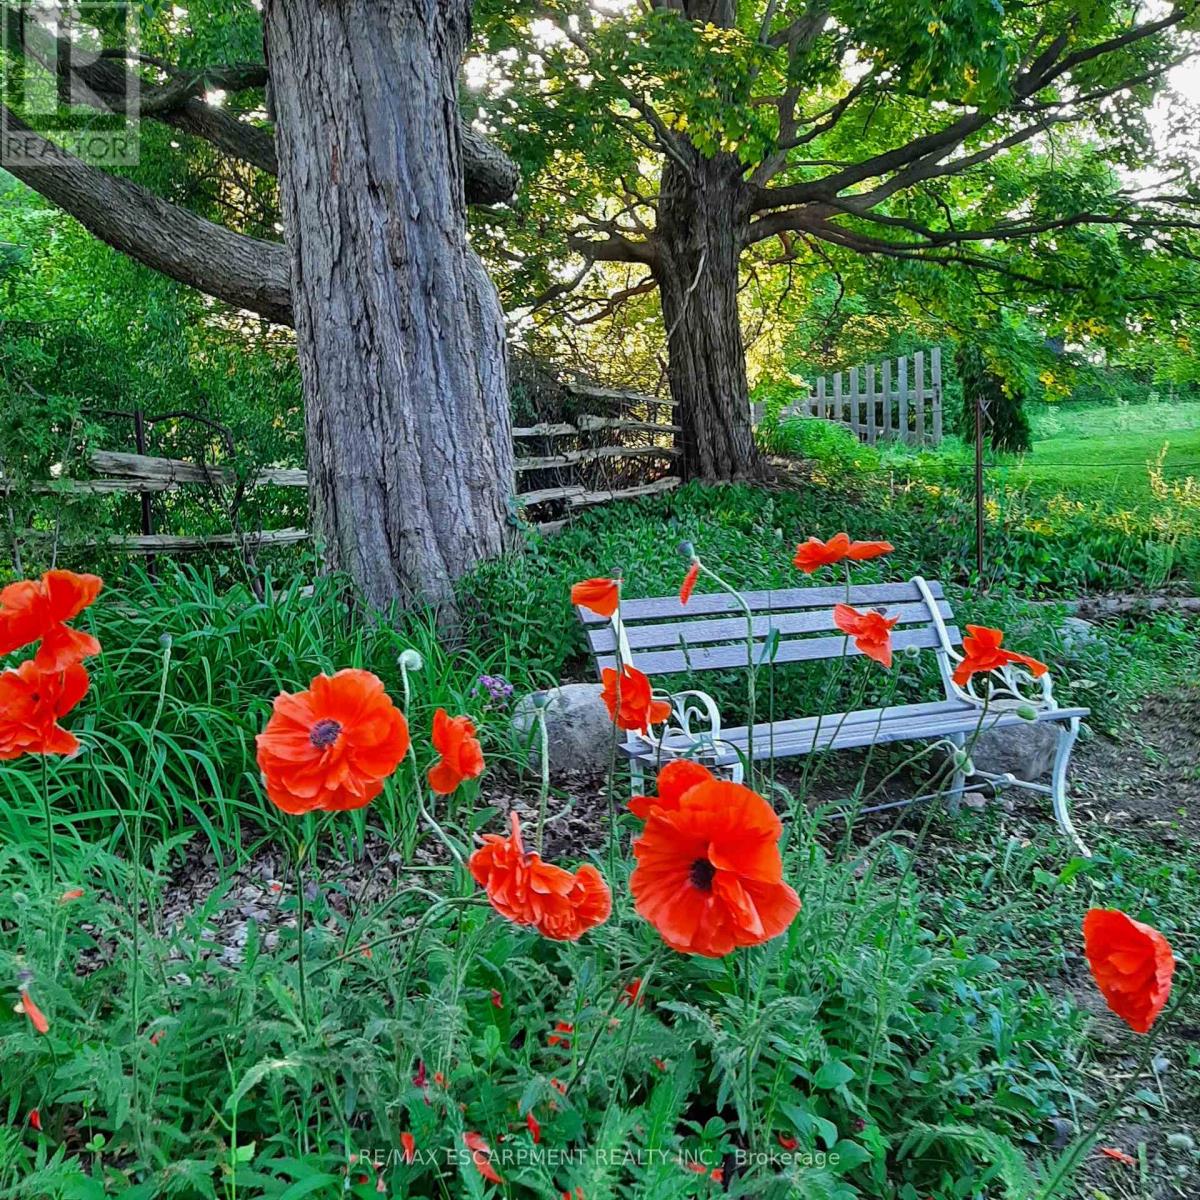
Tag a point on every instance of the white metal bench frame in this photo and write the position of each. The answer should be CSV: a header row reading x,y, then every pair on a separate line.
x,y
660,636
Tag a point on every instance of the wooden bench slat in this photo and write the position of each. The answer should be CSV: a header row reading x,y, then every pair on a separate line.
x,y
712,658
776,600
733,629
850,733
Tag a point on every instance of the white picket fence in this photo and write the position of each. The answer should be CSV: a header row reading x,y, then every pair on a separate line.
x,y
898,398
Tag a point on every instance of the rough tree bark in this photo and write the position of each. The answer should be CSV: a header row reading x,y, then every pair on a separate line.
x,y
703,213
408,431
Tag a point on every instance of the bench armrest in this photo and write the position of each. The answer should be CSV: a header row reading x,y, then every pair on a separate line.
x,y
695,721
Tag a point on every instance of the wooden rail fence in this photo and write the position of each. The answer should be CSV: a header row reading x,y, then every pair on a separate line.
x,y
560,467
894,399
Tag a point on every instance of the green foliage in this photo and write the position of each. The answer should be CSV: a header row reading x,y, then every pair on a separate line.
x,y
1005,423
216,654
837,451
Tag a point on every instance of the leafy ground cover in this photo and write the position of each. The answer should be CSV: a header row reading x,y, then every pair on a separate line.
x,y
924,1028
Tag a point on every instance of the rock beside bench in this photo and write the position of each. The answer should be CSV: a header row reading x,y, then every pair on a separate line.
x,y
578,727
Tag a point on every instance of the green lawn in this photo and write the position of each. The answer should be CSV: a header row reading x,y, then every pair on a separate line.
x,y
1102,452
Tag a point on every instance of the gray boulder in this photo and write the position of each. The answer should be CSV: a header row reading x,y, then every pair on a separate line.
x,y
1025,749
578,726
1076,634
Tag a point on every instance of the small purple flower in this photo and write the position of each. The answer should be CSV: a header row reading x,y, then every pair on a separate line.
x,y
499,691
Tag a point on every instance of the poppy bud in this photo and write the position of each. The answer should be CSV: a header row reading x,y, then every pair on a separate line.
x,y
540,699
687,550
1027,712
962,761
912,651
165,641
410,660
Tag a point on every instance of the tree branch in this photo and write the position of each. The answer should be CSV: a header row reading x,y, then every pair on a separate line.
x,y
489,175
242,271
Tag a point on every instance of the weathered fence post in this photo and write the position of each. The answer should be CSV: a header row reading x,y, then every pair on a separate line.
x,y
919,382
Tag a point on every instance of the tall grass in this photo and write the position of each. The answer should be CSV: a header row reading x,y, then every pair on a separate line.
x,y
227,654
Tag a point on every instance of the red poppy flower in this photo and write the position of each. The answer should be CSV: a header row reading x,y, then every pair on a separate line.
x,y
534,1128
31,701
521,887
419,1077
557,1038
36,609
439,1079
635,708
73,894
689,583
1132,964
35,1119
462,756
409,1145
788,1143
37,1018
601,596
709,875
982,652
1119,1155
871,631
633,993
659,1064
157,1036
497,999
331,747
673,780
481,1156
814,554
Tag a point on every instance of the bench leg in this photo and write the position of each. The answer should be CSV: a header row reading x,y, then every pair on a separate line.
x,y
637,778
1067,734
958,783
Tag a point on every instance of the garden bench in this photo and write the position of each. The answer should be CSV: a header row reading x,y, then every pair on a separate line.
x,y
660,636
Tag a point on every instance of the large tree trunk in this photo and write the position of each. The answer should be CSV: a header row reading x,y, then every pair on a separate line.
x,y
702,216
399,329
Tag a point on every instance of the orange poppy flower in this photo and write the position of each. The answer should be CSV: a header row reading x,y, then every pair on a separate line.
x,y
982,652
1131,963
462,756
1119,1155
409,1145
871,631
709,876
559,904
31,701
37,1018
73,894
331,747
814,554
689,583
481,1156
34,609
673,780
601,596
635,708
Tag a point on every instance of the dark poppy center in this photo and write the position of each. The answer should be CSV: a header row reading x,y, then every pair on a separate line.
x,y
324,733
702,874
